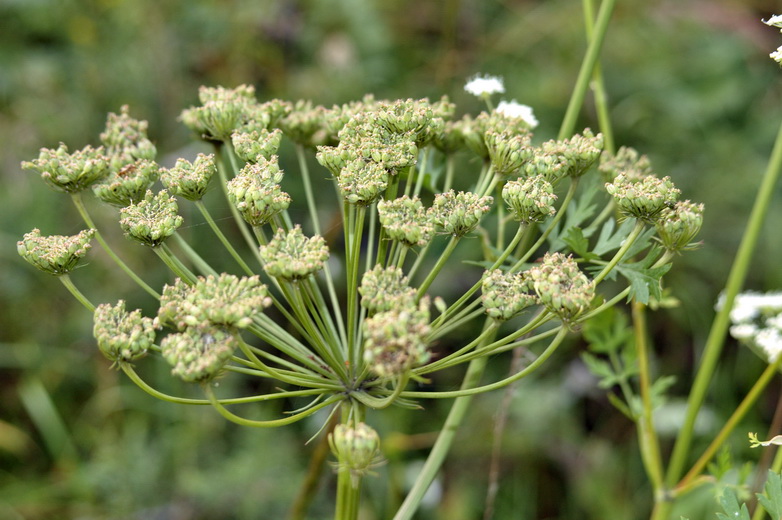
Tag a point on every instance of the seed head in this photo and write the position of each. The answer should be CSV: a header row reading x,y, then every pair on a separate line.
x,y
151,220
508,152
190,180
256,192
626,161
222,111
395,340
678,226
579,152
561,286
357,448
129,184
257,144
384,289
126,140
122,336
405,219
292,256
504,295
70,172
56,254
305,124
199,353
362,182
644,198
459,213
531,199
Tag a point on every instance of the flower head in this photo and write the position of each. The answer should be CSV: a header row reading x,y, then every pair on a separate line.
x,y
362,182
222,111
518,111
405,219
561,286
484,86
122,336
126,140
777,55
531,199
256,192
385,288
642,198
626,161
357,447
774,21
508,152
56,254
677,226
151,220
129,184
504,295
459,213
257,144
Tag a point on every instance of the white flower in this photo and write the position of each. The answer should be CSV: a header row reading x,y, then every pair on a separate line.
x,y
777,55
775,321
774,21
514,109
743,332
482,86
770,340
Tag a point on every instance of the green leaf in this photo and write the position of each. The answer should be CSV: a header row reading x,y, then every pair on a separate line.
x,y
601,369
607,332
576,214
610,241
772,500
730,504
644,280
579,244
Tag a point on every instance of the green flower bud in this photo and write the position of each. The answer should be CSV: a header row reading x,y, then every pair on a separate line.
x,y
292,256
395,340
151,220
56,254
334,158
551,167
459,213
405,220
226,300
190,180
126,140
256,192
508,152
678,226
252,146
222,111
384,289
530,200
129,184
362,182
504,295
122,336
626,161
70,172
561,286
356,447
199,353
644,198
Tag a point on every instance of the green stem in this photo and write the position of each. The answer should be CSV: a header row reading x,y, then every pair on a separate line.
x,y
230,248
628,243
587,69
217,404
721,322
306,181
79,203
748,401
193,256
598,85
68,283
437,267
354,225
174,264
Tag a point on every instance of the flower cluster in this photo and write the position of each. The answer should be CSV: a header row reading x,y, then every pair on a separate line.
x,y
561,286
151,220
256,191
395,340
190,179
122,336
775,21
291,255
70,172
757,322
55,254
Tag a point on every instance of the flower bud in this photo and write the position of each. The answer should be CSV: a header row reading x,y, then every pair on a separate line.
x,y
292,256
122,336
56,254
151,220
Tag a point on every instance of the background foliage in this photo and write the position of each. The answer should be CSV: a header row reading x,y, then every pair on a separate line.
x,y
690,84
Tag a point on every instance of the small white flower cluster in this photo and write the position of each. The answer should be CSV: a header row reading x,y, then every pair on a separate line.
x,y
485,86
776,21
757,321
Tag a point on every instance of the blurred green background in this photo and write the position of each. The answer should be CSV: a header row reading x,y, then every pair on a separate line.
x,y
690,84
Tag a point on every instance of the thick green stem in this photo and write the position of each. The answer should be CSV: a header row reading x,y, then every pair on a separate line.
x,y
721,322
587,69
